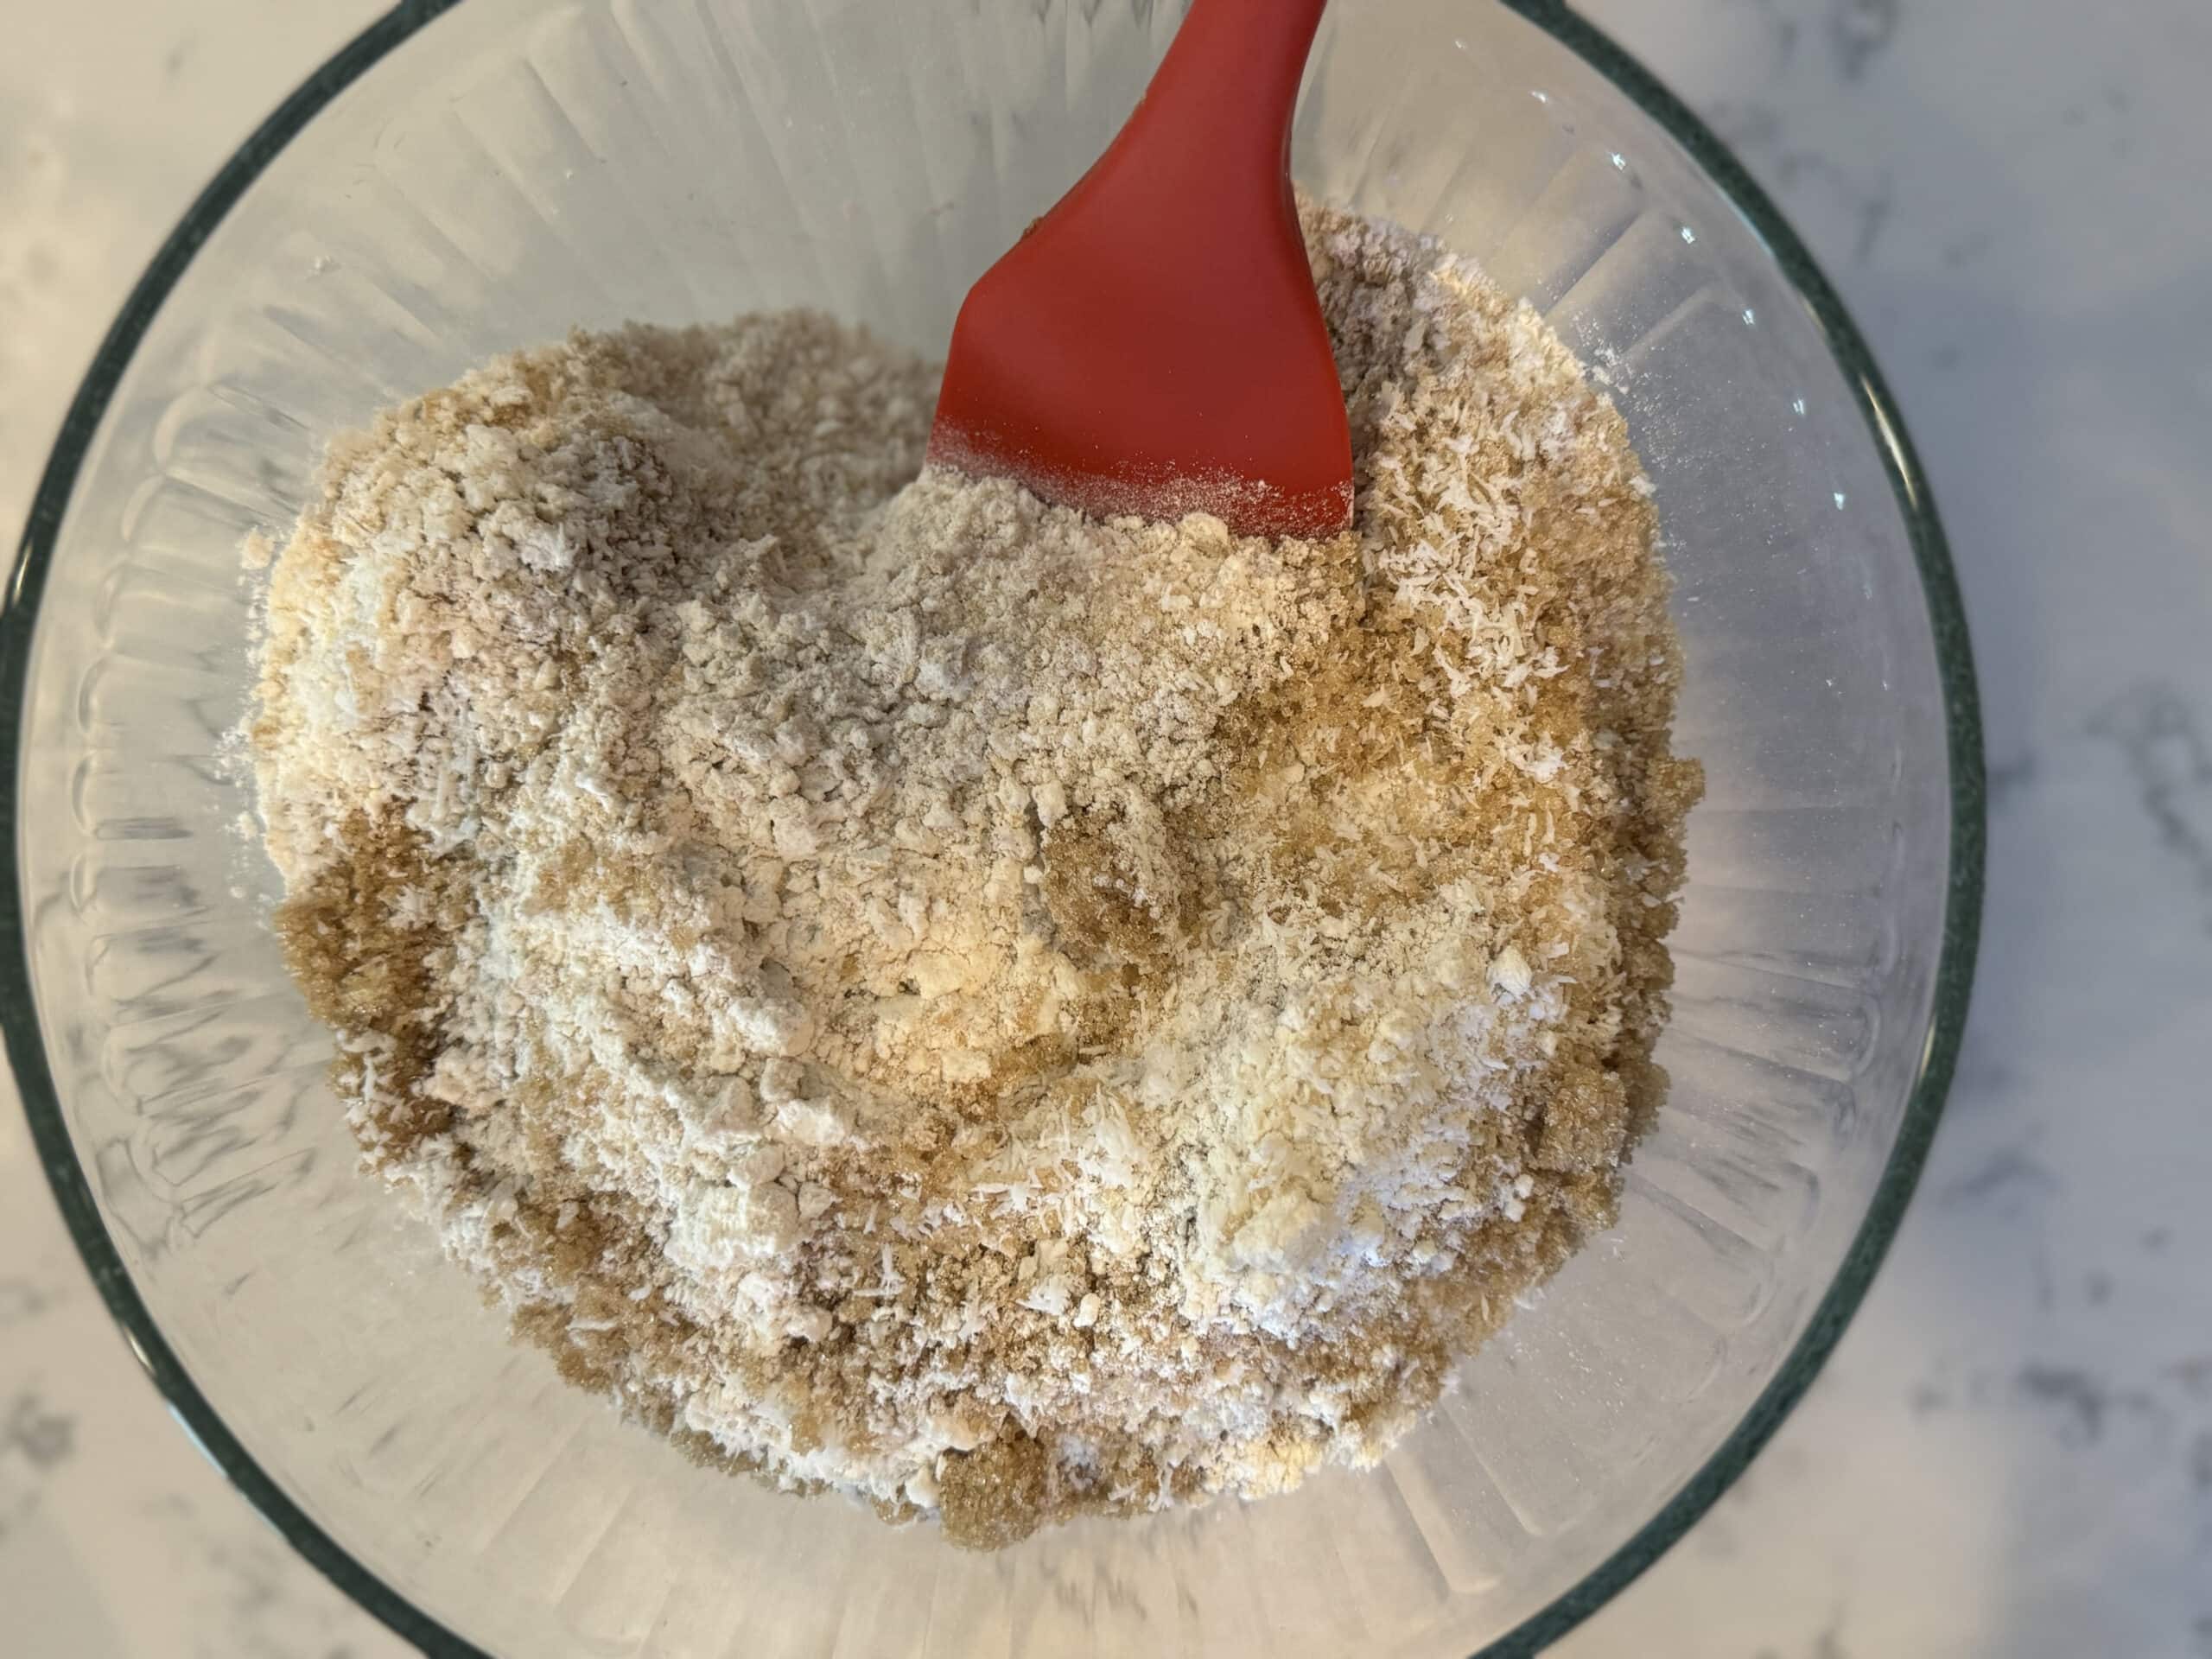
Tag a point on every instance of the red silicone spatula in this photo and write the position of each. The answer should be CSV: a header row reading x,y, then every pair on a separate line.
x,y
1153,344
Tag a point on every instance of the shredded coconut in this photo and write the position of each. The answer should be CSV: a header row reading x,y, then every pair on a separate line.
x,y
915,991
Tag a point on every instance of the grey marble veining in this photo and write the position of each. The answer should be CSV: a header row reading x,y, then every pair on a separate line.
x,y
2011,1454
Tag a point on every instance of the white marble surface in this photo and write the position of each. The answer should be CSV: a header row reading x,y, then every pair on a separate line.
x,y
2011,1452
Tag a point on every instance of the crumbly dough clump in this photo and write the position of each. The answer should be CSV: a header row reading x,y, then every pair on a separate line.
x,y
916,991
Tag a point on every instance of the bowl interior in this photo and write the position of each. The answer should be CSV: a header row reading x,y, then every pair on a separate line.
x,y
512,169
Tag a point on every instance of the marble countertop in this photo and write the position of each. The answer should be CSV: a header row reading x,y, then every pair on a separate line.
x,y
2011,1454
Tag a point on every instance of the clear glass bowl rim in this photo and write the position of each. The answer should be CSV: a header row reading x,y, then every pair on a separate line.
x,y
25,1043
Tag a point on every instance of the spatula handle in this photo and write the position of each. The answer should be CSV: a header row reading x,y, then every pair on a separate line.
x,y
1229,84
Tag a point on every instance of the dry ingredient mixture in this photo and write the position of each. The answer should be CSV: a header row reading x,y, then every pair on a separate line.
x,y
915,991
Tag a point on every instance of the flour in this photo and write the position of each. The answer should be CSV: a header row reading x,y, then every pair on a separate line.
x,y
915,991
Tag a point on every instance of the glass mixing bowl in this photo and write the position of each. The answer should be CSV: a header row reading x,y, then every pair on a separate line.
x,y
467,178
